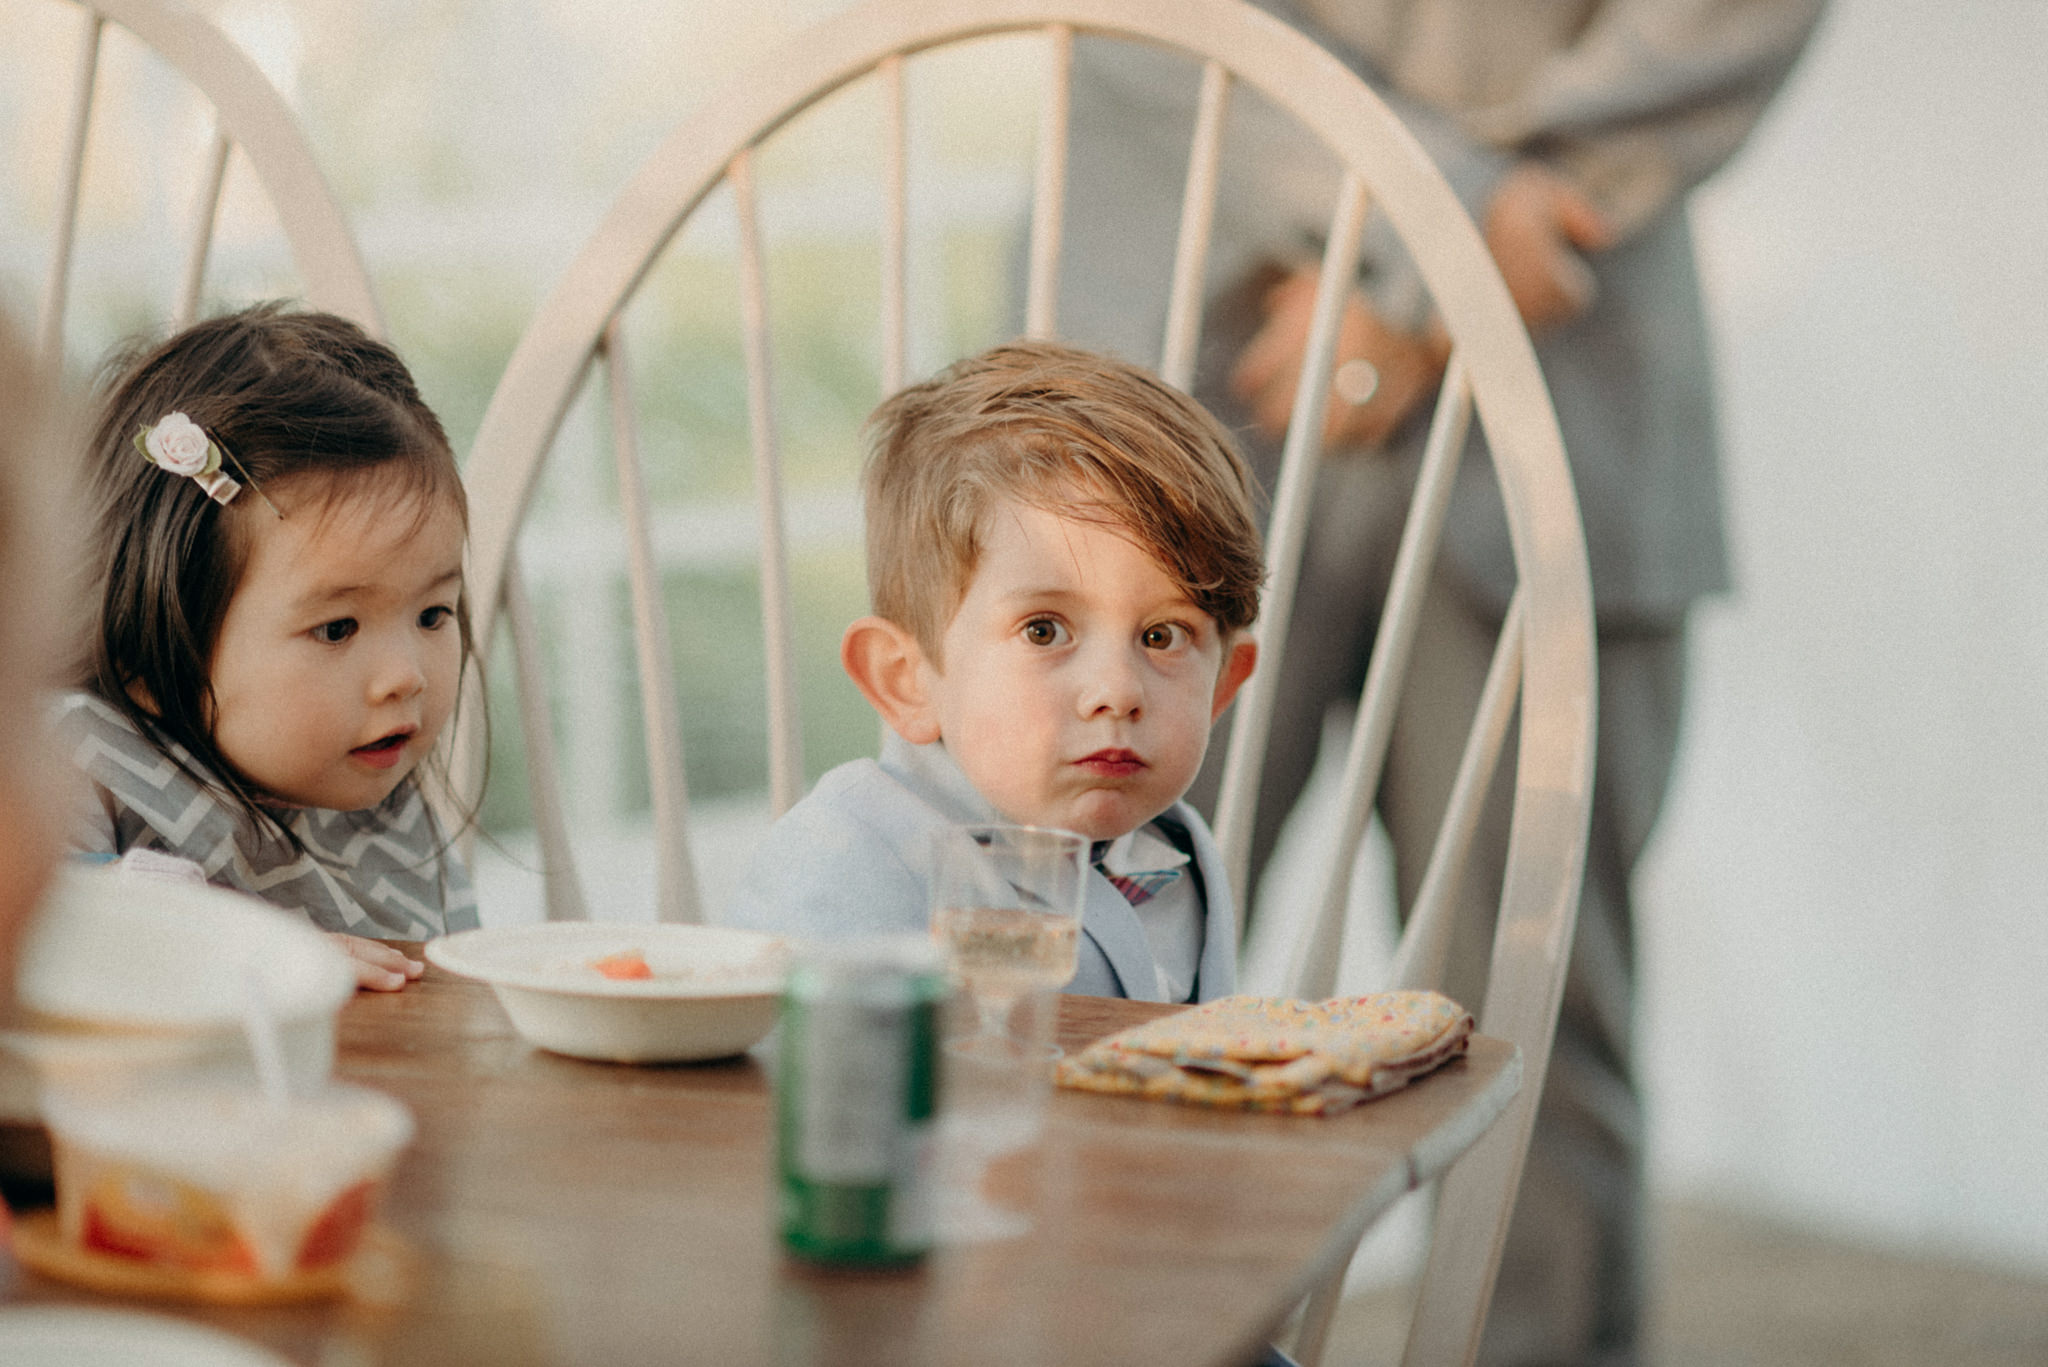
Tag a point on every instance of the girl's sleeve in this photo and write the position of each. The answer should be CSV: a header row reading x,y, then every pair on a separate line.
x,y
89,826
459,906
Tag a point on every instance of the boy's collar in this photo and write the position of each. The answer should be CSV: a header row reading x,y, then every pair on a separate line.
x,y
1141,851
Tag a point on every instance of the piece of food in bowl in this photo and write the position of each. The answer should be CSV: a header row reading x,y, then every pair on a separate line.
x,y
624,966
222,1179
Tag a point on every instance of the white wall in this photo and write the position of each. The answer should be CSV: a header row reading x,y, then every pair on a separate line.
x,y
1844,941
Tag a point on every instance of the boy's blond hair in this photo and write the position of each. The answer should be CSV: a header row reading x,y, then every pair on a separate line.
x,y
1062,429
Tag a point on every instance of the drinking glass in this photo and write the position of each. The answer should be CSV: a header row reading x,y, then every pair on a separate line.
x,y
1006,910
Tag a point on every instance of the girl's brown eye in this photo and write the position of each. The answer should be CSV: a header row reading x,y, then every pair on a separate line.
x,y
335,632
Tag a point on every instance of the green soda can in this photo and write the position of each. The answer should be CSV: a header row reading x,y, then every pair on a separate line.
x,y
857,1092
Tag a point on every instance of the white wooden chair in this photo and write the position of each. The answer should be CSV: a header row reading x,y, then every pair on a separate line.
x,y
248,114
1545,653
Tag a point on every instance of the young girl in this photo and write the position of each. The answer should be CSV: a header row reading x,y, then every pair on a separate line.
x,y
277,629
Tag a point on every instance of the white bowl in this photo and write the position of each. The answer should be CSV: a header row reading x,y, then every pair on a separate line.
x,y
715,990
122,974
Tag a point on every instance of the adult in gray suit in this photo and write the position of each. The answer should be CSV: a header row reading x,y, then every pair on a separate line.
x,y
1572,131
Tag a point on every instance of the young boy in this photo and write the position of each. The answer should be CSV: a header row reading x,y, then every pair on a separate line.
x,y
1064,566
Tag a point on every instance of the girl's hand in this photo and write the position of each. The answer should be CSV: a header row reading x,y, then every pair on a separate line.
x,y
380,968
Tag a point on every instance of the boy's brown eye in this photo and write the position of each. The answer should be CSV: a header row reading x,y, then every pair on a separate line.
x,y
1164,636
335,632
1043,631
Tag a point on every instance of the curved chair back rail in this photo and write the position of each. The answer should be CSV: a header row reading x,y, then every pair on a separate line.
x,y
1543,668
249,114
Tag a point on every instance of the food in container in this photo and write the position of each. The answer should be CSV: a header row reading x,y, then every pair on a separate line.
x,y
221,1179
627,965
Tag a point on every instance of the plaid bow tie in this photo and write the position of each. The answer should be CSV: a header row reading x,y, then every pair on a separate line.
x,y
1140,888
1137,886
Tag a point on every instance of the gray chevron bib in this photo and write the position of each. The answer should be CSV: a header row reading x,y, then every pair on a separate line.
x,y
386,873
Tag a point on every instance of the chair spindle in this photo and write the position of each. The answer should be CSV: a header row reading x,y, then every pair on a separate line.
x,y
1286,531
57,288
675,893
562,889
785,741
1316,973
895,224
1197,217
1049,189
1425,947
205,211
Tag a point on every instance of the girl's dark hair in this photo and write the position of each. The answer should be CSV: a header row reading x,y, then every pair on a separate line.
x,y
290,397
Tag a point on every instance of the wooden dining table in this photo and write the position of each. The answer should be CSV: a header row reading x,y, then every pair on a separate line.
x,y
551,1210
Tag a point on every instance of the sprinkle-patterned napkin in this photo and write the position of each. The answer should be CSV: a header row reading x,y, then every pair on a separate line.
x,y
1276,1054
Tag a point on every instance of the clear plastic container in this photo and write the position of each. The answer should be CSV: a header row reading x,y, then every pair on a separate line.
x,y
221,1178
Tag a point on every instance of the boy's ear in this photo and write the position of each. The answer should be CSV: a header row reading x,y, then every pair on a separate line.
x,y
887,665
1238,660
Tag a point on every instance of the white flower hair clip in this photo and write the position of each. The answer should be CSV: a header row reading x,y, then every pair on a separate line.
x,y
179,446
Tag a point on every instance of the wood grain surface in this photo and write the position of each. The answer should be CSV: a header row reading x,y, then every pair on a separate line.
x,y
559,1211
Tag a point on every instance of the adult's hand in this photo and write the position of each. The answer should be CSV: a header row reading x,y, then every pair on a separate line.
x,y
1404,366
1537,227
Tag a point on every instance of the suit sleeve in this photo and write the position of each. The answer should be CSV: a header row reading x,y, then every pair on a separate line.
x,y
822,873
1654,97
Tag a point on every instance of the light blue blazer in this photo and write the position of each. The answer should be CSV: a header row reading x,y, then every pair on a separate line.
x,y
851,859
